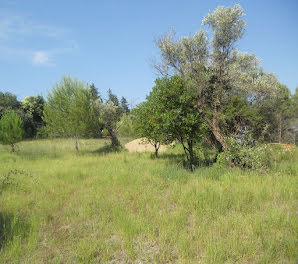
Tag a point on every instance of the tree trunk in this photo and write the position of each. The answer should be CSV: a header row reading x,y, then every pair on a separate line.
x,y
12,148
77,144
191,157
156,146
213,125
279,129
216,132
184,148
188,152
114,139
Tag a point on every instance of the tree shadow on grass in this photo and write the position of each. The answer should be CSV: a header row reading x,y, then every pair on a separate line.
x,y
180,160
36,155
107,149
11,226
171,158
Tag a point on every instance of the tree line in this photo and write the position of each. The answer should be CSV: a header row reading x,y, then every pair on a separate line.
x,y
208,93
211,93
72,109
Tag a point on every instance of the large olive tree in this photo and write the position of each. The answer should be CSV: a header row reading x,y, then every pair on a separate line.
x,y
214,69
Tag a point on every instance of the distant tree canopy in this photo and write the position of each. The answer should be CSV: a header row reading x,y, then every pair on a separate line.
x,y
68,111
113,98
94,93
34,105
8,101
30,110
124,105
32,114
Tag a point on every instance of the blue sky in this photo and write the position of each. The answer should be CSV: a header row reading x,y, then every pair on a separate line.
x,y
111,43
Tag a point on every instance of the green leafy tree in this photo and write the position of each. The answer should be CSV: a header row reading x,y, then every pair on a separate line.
x,y
148,124
69,111
180,121
168,115
9,101
32,107
11,129
30,110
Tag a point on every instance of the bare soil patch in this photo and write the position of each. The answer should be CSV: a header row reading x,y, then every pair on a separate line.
x,y
142,145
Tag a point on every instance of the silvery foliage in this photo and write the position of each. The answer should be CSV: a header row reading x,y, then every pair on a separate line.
x,y
107,113
197,58
227,27
247,78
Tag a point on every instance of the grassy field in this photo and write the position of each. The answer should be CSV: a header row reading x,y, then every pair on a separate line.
x,y
100,206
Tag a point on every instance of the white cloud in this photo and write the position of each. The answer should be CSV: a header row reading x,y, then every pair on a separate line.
x,y
42,58
15,25
24,39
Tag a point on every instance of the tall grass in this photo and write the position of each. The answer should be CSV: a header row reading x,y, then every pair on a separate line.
x,y
100,206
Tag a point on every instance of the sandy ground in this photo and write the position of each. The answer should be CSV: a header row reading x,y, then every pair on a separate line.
x,y
140,145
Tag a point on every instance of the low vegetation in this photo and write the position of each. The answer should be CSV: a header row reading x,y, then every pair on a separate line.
x,y
100,206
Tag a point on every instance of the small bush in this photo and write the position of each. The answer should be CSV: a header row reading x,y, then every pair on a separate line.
x,y
247,155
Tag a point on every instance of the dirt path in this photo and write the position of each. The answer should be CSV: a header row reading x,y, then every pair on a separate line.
x,y
140,145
